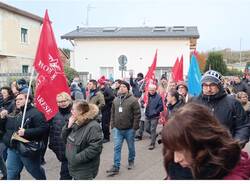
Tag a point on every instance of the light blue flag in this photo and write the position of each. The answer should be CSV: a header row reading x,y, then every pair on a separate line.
x,y
194,77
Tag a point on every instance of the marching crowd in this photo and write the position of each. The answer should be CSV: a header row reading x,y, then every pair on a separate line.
x,y
203,137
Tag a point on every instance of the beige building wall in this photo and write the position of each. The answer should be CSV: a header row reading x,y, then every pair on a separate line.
x,y
14,53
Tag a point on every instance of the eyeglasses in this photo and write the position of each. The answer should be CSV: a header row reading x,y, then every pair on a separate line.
x,y
212,85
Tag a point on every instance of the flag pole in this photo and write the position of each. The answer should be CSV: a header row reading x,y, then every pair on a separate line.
x,y
27,98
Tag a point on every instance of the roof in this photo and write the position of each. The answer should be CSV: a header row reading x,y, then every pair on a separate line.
x,y
20,12
133,32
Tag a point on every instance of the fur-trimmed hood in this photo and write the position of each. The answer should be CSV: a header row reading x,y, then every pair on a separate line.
x,y
88,116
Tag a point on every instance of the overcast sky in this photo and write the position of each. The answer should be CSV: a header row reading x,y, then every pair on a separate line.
x,y
221,23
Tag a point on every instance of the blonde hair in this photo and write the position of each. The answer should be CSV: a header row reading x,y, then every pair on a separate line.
x,y
63,96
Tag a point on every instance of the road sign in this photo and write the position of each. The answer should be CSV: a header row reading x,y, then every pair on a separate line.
x,y
124,68
122,60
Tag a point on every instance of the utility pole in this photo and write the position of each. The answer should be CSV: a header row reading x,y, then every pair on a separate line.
x,y
240,51
89,7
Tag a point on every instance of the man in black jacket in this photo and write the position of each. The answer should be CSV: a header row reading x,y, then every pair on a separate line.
x,y
106,110
226,108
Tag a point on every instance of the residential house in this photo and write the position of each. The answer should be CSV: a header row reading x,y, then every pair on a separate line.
x,y
97,49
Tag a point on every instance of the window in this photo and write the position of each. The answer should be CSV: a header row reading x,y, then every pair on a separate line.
x,y
25,69
108,72
159,71
24,35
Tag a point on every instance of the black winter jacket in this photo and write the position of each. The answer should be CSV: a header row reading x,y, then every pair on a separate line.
x,y
56,143
229,112
34,124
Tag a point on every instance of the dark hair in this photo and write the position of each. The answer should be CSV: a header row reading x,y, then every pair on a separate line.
x,y
11,94
140,75
93,81
174,93
194,129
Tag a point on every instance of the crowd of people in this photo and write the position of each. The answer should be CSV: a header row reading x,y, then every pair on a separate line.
x,y
203,137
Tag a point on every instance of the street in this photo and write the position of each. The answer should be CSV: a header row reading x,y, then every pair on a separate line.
x,y
148,163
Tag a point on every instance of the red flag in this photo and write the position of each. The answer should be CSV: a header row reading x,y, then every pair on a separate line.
x,y
150,78
175,70
180,70
51,79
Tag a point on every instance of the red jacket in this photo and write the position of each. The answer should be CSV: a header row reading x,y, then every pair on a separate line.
x,y
242,169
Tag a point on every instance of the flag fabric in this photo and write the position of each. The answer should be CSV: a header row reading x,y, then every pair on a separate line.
x,y
180,70
194,77
175,70
51,79
150,78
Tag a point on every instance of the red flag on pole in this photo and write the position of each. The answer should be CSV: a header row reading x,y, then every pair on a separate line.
x,y
51,79
175,70
180,70
150,78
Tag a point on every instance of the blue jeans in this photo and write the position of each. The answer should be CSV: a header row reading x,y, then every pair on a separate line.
x,y
119,136
15,163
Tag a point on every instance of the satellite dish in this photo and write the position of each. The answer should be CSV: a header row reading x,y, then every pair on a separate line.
x,y
122,60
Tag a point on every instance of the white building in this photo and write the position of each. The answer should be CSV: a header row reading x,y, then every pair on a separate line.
x,y
97,49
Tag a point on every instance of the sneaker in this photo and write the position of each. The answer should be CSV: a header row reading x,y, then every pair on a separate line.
x,y
105,141
151,147
113,171
131,165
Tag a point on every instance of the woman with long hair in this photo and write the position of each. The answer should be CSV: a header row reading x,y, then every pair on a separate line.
x,y
195,141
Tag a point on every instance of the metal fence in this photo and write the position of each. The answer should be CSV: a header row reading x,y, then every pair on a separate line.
x,y
7,78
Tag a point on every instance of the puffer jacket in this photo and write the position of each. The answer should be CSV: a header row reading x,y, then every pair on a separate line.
x,y
56,143
84,145
229,112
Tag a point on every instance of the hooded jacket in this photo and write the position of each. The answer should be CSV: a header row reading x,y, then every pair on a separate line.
x,y
84,145
228,111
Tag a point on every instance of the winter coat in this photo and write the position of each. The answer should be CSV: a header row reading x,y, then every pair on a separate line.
x,y
172,108
130,115
108,97
154,106
229,112
9,104
240,87
56,143
34,124
240,172
76,92
242,169
137,87
84,145
96,97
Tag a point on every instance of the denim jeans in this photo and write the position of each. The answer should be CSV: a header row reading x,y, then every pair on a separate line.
x,y
151,125
119,136
15,163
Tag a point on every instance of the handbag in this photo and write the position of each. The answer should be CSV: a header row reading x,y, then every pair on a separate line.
x,y
30,149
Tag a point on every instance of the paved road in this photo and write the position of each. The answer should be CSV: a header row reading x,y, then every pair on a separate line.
x,y
148,163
